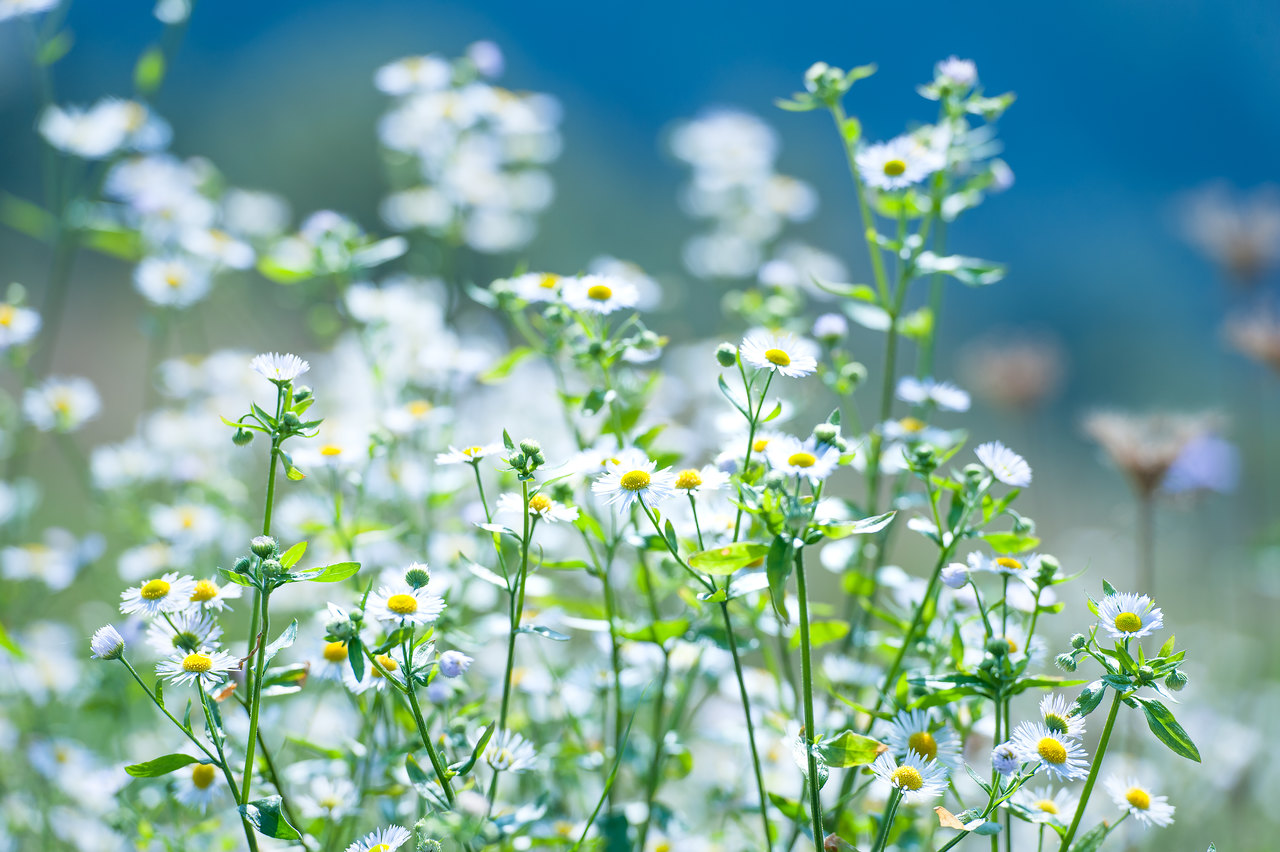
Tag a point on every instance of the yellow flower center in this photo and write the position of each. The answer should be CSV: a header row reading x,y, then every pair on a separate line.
x,y
907,778
759,445
1052,751
911,424
472,452
923,744
539,503
893,168
1138,797
7,315
1128,622
688,480
386,662
206,590
402,604
197,663
202,775
777,356
802,459
153,590
330,450
1008,562
600,293
636,480
381,847
335,652
419,408
549,282
1013,645
329,802
173,280
1047,806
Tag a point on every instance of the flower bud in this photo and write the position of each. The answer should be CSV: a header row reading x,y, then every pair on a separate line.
x,y
357,616
1023,526
301,393
854,373
726,354
291,422
829,328
454,663
1066,662
264,546
955,575
924,459
1078,641
998,646
242,565
1049,568
776,480
272,568
1146,674
826,433
1175,681
530,447
242,437
974,474
107,644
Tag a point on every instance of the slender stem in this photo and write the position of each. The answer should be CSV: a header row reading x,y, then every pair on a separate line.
x,y
1146,545
890,811
1093,774
751,730
442,772
517,611
615,660
255,702
753,422
166,712
655,766
806,677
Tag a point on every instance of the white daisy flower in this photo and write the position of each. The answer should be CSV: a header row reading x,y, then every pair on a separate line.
x,y
183,631
169,593
540,506
787,354
207,666
454,663
957,71
916,778
533,286
382,840
209,595
510,752
955,575
467,455
1046,806
404,604
1055,710
18,325
330,663
1004,759
171,282
1059,754
898,163
61,404
1130,795
944,395
17,8
373,678
600,294
632,478
196,787
107,643
328,798
695,481
792,456
1127,615
279,367
914,731
218,247
1008,565
414,74
1004,464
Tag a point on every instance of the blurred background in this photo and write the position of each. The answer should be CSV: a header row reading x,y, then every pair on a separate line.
x,y
1140,220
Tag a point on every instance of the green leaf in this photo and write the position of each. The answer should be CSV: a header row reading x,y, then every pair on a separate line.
x,y
1092,839
1167,729
1010,542
504,367
545,632
778,568
291,556
844,529
850,749
966,270
160,765
1089,699
659,632
284,640
54,49
8,644
265,816
1167,648
232,577
331,573
355,656
464,768
860,292
822,633
148,74
725,560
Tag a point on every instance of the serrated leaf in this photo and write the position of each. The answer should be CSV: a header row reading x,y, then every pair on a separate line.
x,y
160,765
266,817
732,557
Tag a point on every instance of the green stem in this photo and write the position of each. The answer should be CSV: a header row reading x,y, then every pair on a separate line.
x,y
806,677
442,773
890,811
751,730
517,612
1093,774
255,702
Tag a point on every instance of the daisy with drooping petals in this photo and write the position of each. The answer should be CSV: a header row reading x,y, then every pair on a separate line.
x,y
468,455
183,631
196,787
794,457
540,506
780,353
1004,464
600,294
913,731
373,677
279,367
1046,806
382,840
632,478
205,666
1055,710
915,778
1129,795
169,593
1059,754
401,602
1127,615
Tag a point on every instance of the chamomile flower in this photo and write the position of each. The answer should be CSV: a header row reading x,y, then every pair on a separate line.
x,y
944,395
913,731
540,506
373,678
600,294
330,663
1057,753
328,798
1130,795
404,604
1004,464
187,630
196,785
897,163
279,367
107,643
468,455
17,325
695,481
207,666
169,593
1046,806
382,840
1127,615
1010,566
171,282
781,353
209,595
533,286
915,778
510,752
61,404
631,478
794,457
1055,710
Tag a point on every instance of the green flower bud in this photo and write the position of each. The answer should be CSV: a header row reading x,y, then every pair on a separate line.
x,y
356,616
530,447
1066,662
1175,681
974,474
924,459
291,422
998,646
854,373
826,433
301,393
1078,641
264,546
272,567
1024,526
242,437
726,354
1049,568
418,576
776,480
242,565
1146,674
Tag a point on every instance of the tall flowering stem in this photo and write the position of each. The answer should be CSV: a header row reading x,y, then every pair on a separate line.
x,y
1093,772
806,678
